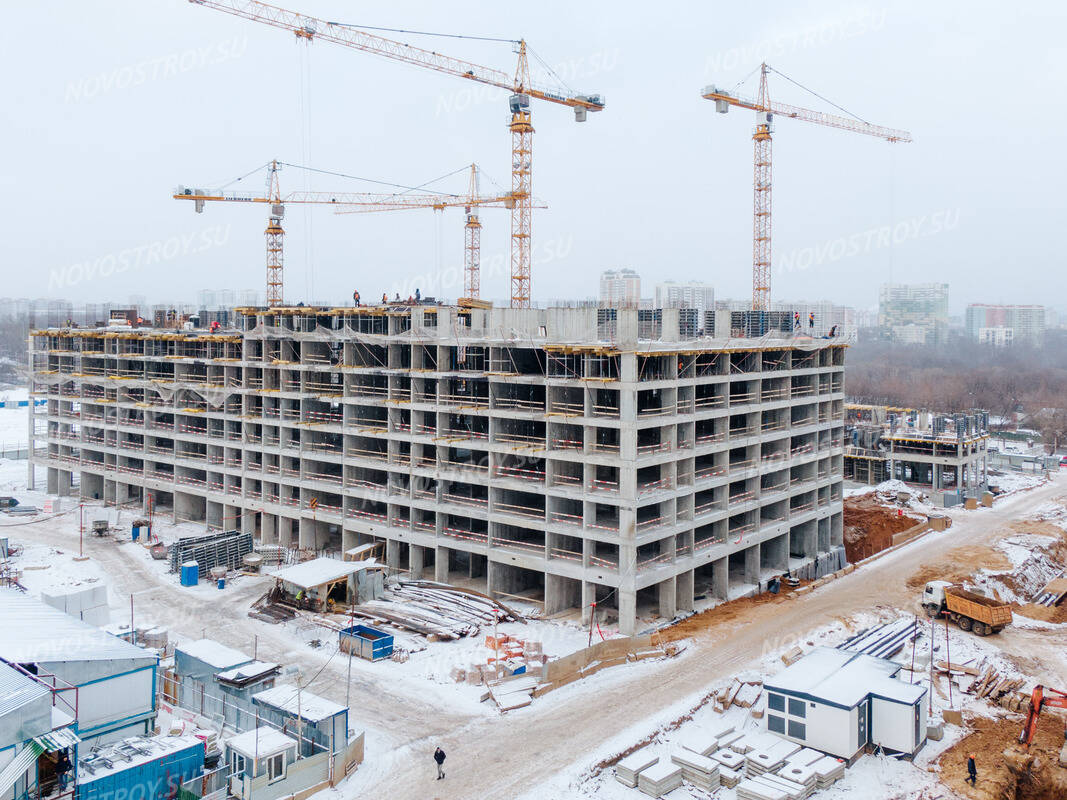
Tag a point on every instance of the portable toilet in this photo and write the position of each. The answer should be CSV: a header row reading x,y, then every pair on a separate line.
x,y
140,528
190,573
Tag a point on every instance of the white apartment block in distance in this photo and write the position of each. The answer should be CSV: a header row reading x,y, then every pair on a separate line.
x,y
1000,325
693,294
569,455
620,288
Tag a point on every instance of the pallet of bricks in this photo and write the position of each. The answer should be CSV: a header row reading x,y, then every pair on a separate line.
x,y
512,670
220,549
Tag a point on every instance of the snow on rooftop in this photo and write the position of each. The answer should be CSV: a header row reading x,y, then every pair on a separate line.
x,y
319,571
247,671
33,632
260,742
129,753
214,654
312,708
844,678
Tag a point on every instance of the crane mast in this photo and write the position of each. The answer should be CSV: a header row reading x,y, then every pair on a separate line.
x,y
521,126
766,110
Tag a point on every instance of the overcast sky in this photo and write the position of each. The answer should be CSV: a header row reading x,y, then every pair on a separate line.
x,y
110,105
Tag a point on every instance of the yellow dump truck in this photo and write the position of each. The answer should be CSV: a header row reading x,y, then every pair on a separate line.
x,y
971,611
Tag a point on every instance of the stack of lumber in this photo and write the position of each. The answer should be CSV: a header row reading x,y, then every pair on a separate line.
x,y
828,770
769,787
627,770
698,770
660,778
474,600
992,686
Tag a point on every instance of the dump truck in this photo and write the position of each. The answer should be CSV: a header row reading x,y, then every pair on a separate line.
x,y
971,611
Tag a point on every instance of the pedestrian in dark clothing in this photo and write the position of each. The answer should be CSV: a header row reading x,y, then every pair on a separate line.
x,y
62,769
972,770
439,757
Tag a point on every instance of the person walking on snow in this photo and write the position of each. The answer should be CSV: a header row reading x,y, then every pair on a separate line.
x,y
439,757
972,771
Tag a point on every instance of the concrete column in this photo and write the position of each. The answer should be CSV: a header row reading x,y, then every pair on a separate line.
x,y
560,593
440,565
64,481
668,598
811,541
392,555
52,482
752,556
415,561
720,578
627,612
588,598
269,532
684,594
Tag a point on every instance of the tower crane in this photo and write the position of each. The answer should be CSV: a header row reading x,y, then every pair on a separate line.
x,y
521,126
766,110
472,229
361,201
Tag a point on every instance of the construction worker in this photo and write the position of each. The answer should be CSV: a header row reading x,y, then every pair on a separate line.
x,y
796,320
63,767
833,332
385,298
439,757
355,297
811,321
418,296
972,770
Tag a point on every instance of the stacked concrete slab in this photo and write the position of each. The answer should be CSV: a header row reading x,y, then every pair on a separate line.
x,y
698,770
828,770
660,778
627,770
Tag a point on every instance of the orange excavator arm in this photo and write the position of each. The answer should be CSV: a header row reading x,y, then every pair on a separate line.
x,y
1039,700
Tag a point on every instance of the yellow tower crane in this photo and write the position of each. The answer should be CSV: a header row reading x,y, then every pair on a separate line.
x,y
521,88
352,201
761,170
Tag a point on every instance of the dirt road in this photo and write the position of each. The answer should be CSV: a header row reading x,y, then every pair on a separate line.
x,y
506,756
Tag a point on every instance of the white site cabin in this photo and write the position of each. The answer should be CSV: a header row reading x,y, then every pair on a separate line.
x,y
838,702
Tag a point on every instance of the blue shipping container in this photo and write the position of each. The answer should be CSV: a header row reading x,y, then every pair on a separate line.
x,y
153,779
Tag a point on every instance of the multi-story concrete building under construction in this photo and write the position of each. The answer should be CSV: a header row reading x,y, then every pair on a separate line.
x,y
568,455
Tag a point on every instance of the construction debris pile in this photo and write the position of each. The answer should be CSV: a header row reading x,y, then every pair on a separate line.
x,y
985,682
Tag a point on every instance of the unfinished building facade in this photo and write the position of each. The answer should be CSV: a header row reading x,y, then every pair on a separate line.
x,y
572,456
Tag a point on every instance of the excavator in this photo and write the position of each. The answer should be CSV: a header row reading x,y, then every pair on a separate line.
x,y
1038,701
